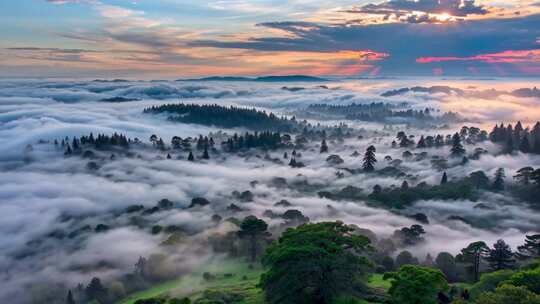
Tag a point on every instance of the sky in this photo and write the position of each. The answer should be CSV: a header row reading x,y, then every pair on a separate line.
x,y
167,39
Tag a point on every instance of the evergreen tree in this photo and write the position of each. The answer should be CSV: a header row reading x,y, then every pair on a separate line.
x,y
191,157
69,299
96,291
421,143
479,179
523,175
369,159
324,147
68,150
473,254
531,248
439,141
498,182
292,162
444,178
405,185
524,145
205,153
500,256
535,177
457,148
253,229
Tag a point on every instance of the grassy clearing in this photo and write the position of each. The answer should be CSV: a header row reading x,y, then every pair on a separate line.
x,y
377,281
229,276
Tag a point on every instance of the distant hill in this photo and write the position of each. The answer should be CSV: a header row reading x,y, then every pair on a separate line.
x,y
284,78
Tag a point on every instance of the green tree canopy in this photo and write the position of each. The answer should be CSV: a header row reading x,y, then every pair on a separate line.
x,y
253,229
315,263
416,285
507,294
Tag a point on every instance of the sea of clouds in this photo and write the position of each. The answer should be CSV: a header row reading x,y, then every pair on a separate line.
x,y
42,192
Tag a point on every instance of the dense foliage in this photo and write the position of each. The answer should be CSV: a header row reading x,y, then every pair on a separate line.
x,y
314,263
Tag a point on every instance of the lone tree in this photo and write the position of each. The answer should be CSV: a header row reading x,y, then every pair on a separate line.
x,y
205,153
457,149
69,298
253,229
324,146
444,178
523,175
415,284
96,291
315,263
369,159
531,248
473,254
500,256
498,182
190,156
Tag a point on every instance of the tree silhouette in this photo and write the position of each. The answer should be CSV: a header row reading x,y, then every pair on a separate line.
x,y
444,178
69,298
324,146
531,248
253,229
473,254
523,175
500,256
457,149
369,159
498,182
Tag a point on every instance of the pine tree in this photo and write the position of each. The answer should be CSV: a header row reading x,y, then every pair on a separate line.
x,y
457,148
473,254
523,175
69,299
369,159
531,248
68,150
205,154
191,157
292,163
524,145
324,147
96,291
421,142
498,182
404,185
500,256
444,178
439,141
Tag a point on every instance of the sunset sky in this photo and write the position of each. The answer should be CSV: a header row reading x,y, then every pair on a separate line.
x,y
180,38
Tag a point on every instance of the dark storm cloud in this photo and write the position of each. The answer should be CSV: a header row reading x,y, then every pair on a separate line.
x,y
404,42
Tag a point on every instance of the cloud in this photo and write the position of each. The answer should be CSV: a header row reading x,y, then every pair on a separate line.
x,y
460,8
524,56
403,42
49,193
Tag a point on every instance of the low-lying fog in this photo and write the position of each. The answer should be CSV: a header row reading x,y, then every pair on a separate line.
x,y
42,192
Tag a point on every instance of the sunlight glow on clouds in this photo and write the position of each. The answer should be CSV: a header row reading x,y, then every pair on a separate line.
x,y
179,38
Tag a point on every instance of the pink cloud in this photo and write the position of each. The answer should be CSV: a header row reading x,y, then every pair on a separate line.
x,y
509,56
